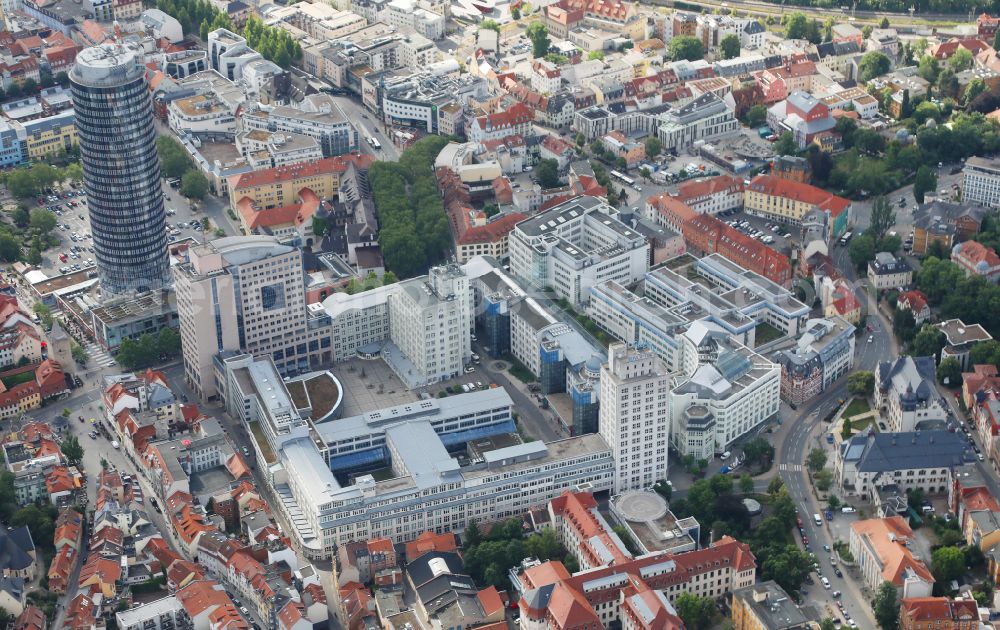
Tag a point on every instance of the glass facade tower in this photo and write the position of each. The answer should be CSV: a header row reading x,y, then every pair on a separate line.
x,y
114,122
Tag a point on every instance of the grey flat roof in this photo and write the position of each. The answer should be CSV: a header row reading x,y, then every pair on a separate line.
x,y
424,456
884,452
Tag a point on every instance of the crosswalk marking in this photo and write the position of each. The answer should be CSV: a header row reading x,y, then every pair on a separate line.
x,y
97,353
791,467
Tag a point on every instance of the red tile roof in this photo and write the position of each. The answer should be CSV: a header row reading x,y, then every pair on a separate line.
x,y
291,172
429,541
32,618
699,188
914,300
787,189
931,610
975,253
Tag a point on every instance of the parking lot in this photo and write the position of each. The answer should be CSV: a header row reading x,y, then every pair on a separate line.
x,y
76,248
775,235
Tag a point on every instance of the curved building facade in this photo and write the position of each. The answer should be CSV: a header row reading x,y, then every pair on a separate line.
x,y
114,121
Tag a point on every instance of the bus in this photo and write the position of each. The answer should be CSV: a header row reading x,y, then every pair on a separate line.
x,y
623,178
846,238
375,144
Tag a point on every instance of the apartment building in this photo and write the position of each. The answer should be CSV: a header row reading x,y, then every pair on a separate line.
x,y
788,201
916,460
982,181
245,294
281,186
634,386
939,613
705,118
888,272
906,390
728,391
552,598
766,606
49,135
881,550
573,246
712,195
823,354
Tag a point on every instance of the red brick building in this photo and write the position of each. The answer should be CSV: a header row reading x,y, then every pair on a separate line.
x,y
709,235
938,613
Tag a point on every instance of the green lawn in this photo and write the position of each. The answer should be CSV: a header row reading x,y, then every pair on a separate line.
x,y
766,333
857,407
17,379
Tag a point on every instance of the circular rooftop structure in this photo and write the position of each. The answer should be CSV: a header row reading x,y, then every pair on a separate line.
x,y
640,505
320,392
108,65
752,506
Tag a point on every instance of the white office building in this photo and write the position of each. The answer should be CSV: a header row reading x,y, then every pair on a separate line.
x,y
633,415
430,322
576,245
358,320
707,118
245,294
982,181
728,392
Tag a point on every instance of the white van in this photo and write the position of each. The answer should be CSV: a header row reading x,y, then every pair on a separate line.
x,y
817,519
847,509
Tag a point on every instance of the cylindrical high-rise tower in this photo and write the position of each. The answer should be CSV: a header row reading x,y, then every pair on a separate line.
x,y
121,169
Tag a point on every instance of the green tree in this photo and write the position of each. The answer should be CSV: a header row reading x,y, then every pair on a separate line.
x,y
697,613
168,342
21,184
786,144
547,173
653,146
862,250
194,184
515,13
730,46
928,68
950,372
949,563
174,159
961,60
928,342
10,248
796,26
79,354
757,115
760,452
490,25
788,566
816,459
823,479
596,55
72,450
925,182
827,624
20,216
861,383
882,219
866,31
538,35
472,536
686,47
873,64
43,220
996,41
746,484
